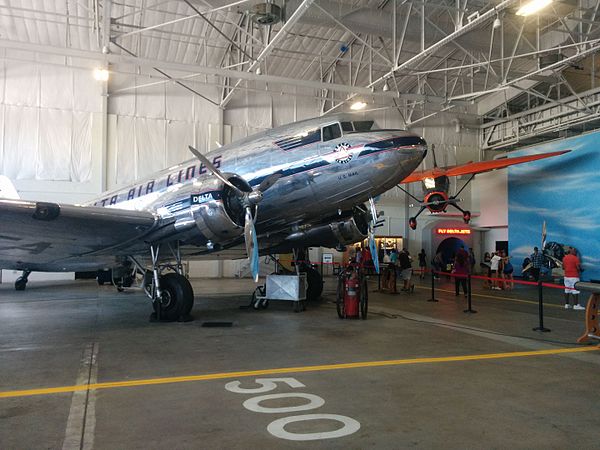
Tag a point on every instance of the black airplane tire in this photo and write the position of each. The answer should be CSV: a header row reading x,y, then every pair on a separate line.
x,y
364,299
314,283
178,295
20,284
261,303
339,298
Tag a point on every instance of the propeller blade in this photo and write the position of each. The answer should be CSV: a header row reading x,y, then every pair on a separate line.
x,y
251,243
216,172
373,248
433,153
269,181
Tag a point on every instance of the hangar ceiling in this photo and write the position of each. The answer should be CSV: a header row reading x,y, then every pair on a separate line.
x,y
417,57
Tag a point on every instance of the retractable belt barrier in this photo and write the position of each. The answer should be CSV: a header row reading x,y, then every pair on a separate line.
x,y
540,285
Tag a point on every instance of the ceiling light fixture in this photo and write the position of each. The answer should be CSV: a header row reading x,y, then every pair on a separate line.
x,y
386,86
358,105
497,23
532,6
100,74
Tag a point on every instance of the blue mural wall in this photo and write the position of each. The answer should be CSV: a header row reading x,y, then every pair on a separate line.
x,y
565,192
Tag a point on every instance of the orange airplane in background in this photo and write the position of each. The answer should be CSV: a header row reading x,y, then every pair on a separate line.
x,y
436,182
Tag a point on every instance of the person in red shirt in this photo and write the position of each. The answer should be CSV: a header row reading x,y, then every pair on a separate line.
x,y
572,268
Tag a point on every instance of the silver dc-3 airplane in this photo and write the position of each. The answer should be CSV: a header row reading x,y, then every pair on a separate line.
x,y
299,185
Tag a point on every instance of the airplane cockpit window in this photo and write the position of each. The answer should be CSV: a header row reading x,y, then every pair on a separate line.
x,y
347,126
304,138
332,131
363,125
357,126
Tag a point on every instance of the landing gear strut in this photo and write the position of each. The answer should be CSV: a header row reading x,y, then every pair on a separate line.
x,y
171,293
21,282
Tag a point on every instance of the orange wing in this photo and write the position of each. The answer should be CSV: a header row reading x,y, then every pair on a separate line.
x,y
477,167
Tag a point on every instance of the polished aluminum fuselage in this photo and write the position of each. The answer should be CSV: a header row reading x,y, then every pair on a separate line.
x,y
318,179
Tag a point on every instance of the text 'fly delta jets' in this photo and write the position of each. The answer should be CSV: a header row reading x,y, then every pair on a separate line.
x,y
299,185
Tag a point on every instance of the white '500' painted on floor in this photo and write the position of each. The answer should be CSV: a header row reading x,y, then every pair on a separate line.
x,y
277,427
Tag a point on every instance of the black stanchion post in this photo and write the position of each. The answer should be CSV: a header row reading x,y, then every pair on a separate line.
x,y
469,310
379,280
541,309
432,299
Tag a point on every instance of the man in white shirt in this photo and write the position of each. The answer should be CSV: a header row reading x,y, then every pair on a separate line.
x,y
494,267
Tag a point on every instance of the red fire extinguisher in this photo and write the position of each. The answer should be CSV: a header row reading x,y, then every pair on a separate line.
x,y
351,296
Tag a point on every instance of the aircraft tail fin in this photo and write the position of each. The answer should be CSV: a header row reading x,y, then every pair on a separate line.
x,y
7,189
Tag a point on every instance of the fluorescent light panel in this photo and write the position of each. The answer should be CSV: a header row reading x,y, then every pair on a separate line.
x,y
358,105
532,7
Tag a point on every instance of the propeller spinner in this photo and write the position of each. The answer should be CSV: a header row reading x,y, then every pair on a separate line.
x,y
248,200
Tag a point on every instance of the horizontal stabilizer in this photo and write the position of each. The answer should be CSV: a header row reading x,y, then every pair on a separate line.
x,y
7,189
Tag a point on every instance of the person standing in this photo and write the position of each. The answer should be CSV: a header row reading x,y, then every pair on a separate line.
x,y
422,263
358,255
537,261
394,256
460,271
507,271
438,262
386,257
367,259
494,263
406,270
572,268
472,260
486,266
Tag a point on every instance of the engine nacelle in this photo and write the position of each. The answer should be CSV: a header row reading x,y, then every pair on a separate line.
x,y
436,201
353,229
204,211
217,209
346,230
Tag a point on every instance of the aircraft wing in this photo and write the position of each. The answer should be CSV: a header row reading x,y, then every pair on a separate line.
x,y
38,233
476,167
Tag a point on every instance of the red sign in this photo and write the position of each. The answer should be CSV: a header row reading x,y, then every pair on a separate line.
x,y
453,231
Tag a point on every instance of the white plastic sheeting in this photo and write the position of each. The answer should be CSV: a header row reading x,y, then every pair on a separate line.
x,y
81,147
150,145
144,146
46,144
20,142
152,103
53,160
180,102
22,84
87,92
56,87
179,136
47,108
125,170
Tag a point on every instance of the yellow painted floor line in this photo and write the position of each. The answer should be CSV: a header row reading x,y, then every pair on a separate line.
x,y
276,371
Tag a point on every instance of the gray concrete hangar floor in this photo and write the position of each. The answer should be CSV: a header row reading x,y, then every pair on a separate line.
x,y
426,375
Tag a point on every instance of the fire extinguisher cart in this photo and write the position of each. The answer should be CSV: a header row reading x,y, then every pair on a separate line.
x,y
352,297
